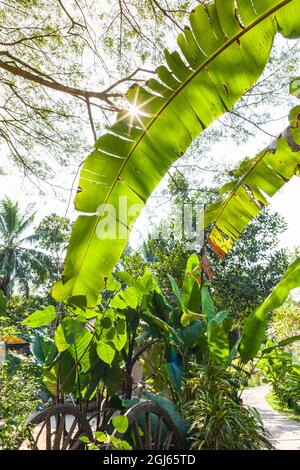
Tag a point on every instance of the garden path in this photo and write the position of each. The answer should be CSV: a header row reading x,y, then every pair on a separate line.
x,y
285,432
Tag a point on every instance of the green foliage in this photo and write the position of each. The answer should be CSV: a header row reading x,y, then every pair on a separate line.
x,y
40,317
106,441
20,263
285,321
254,181
255,326
242,280
283,373
19,398
53,235
151,134
251,269
120,423
218,420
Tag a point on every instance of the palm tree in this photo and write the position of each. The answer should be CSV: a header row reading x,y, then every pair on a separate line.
x,y
20,262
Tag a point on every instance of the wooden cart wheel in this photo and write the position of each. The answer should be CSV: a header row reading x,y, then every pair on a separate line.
x,y
151,428
57,428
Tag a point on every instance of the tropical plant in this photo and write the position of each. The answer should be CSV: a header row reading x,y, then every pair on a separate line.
x,y
53,234
224,52
218,419
283,374
241,281
254,181
256,325
285,321
19,398
20,262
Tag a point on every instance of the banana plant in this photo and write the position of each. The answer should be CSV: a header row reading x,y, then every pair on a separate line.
x,y
223,52
254,183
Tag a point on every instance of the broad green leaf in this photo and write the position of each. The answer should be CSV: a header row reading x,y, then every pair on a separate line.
x,y
180,423
73,328
175,289
190,334
220,316
255,182
112,284
119,341
120,423
42,348
100,436
50,380
284,342
174,374
67,372
40,317
255,326
223,53
78,301
79,340
207,304
106,352
114,379
191,284
125,277
60,339
153,320
217,341
233,352
124,299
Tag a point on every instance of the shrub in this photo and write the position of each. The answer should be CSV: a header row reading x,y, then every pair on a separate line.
x,y
218,419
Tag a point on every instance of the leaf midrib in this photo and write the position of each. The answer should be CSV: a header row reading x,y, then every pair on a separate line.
x,y
169,100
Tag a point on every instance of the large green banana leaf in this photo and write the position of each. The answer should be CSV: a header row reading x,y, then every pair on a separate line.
x,y
254,181
255,326
223,53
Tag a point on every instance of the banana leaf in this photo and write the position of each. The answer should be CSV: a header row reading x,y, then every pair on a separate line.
x,y
223,53
254,182
255,326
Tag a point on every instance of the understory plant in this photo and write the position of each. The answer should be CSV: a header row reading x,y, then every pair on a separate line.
x,y
218,418
19,398
284,375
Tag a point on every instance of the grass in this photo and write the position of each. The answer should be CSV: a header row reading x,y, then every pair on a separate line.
x,y
291,414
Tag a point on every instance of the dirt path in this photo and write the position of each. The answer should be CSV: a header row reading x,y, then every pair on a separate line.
x,y
285,432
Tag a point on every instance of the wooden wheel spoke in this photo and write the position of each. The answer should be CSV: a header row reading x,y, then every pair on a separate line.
x,y
158,432
168,440
48,433
68,437
33,441
148,431
36,438
54,433
137,435
59,431
163,436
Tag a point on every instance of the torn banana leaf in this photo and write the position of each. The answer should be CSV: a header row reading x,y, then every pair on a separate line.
x,y
222,54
